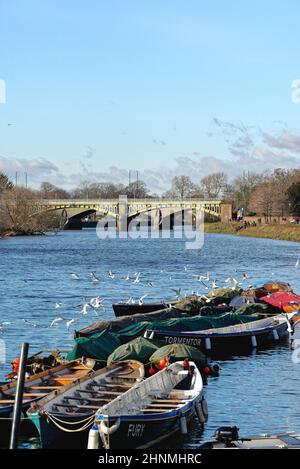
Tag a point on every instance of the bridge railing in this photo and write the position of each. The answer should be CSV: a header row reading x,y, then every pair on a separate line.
x,y
130,201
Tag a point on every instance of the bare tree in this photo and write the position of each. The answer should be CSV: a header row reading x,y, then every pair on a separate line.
x,y
213,184
5,182
20,213
49,191
262,200
182,186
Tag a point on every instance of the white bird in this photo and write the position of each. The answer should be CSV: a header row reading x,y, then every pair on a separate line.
x,y
74,276
85,308
297,262
141,300
96,302
94,277
177,292
149,284
137,278
130,301
214,284
245,276
186,268
70,322
127,278
56,320
58,305
233,282
110,274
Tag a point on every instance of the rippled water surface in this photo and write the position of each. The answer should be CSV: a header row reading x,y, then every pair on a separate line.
x,y
258,393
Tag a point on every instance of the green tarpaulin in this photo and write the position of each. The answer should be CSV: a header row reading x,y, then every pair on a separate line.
x,y
139,349
178,352
196,323
256,308
99,346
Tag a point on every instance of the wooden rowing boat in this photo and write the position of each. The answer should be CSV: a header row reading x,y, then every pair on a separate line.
x,y
36,387
230,338
153,410
63,417
129,309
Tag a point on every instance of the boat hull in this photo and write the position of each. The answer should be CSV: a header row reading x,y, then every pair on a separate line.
x,y
124,309
144,431
209,343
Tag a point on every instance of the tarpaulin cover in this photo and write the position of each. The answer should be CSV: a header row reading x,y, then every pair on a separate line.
x,y
99,346
257,308
196,323
178,352
286,301
139,349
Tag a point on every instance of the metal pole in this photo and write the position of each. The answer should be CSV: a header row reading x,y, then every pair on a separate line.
x,y
19,397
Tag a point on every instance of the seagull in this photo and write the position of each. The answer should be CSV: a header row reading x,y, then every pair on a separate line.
x,y
297,263
96,302
110,274
85,308
149,284
137,278
233,282
127,278
130,301
74,276
141,300
245,276
70,322
186,268
94,277
56,320
177,292
214,284
58,305
204,284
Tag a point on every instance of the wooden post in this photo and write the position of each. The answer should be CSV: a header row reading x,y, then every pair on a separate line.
x,y
19,397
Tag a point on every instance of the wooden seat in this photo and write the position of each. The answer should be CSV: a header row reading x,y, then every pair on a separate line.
x,y
172,406
33,394
11,401
43,387
156,411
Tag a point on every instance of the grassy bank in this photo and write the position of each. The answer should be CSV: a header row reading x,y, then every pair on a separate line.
x,y
272,231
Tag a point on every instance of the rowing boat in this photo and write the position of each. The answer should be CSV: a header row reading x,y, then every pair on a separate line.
x,y
153,410
230,338
36,387
63,417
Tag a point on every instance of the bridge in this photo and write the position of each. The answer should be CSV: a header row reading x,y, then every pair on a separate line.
x,y
124,210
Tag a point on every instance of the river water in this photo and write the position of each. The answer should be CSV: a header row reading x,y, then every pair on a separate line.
x,y
258,393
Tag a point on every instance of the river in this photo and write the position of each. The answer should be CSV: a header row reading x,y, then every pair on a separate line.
x,y
258,393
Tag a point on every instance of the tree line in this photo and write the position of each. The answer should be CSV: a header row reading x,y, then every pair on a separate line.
x,y
267,195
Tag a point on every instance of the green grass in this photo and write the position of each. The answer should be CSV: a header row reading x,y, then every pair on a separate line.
x,y
272,231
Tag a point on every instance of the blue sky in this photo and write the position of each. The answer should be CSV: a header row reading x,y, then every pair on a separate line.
x,y
96,87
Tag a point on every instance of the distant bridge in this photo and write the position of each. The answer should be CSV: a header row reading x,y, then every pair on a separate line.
x,y
125,210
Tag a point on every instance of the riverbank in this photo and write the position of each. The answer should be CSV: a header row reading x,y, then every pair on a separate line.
x,y
271,231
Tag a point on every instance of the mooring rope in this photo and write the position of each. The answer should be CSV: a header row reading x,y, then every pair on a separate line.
x,y
89,420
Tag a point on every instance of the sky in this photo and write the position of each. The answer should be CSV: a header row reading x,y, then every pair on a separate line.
x,y
94,88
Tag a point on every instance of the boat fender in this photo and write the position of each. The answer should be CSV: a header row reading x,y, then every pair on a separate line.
x,y
275,335
253,341
202,410
109,430
183,425
93,440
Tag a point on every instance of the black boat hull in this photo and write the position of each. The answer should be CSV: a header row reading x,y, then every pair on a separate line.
x,y
124,309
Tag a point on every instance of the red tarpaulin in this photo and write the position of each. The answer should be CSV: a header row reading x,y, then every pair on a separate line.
x,y
286,301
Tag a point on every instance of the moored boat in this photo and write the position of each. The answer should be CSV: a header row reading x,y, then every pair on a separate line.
x,y
229,438
63,418
128,309
153,410
35,388
230,338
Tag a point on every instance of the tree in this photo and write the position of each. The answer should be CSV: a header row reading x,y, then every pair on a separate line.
x,y
293,195
263,199
213,184
242,187
182,186
19,209
49,191
5,182
137,190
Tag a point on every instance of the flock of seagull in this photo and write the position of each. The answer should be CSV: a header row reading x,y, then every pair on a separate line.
x,y
97,303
